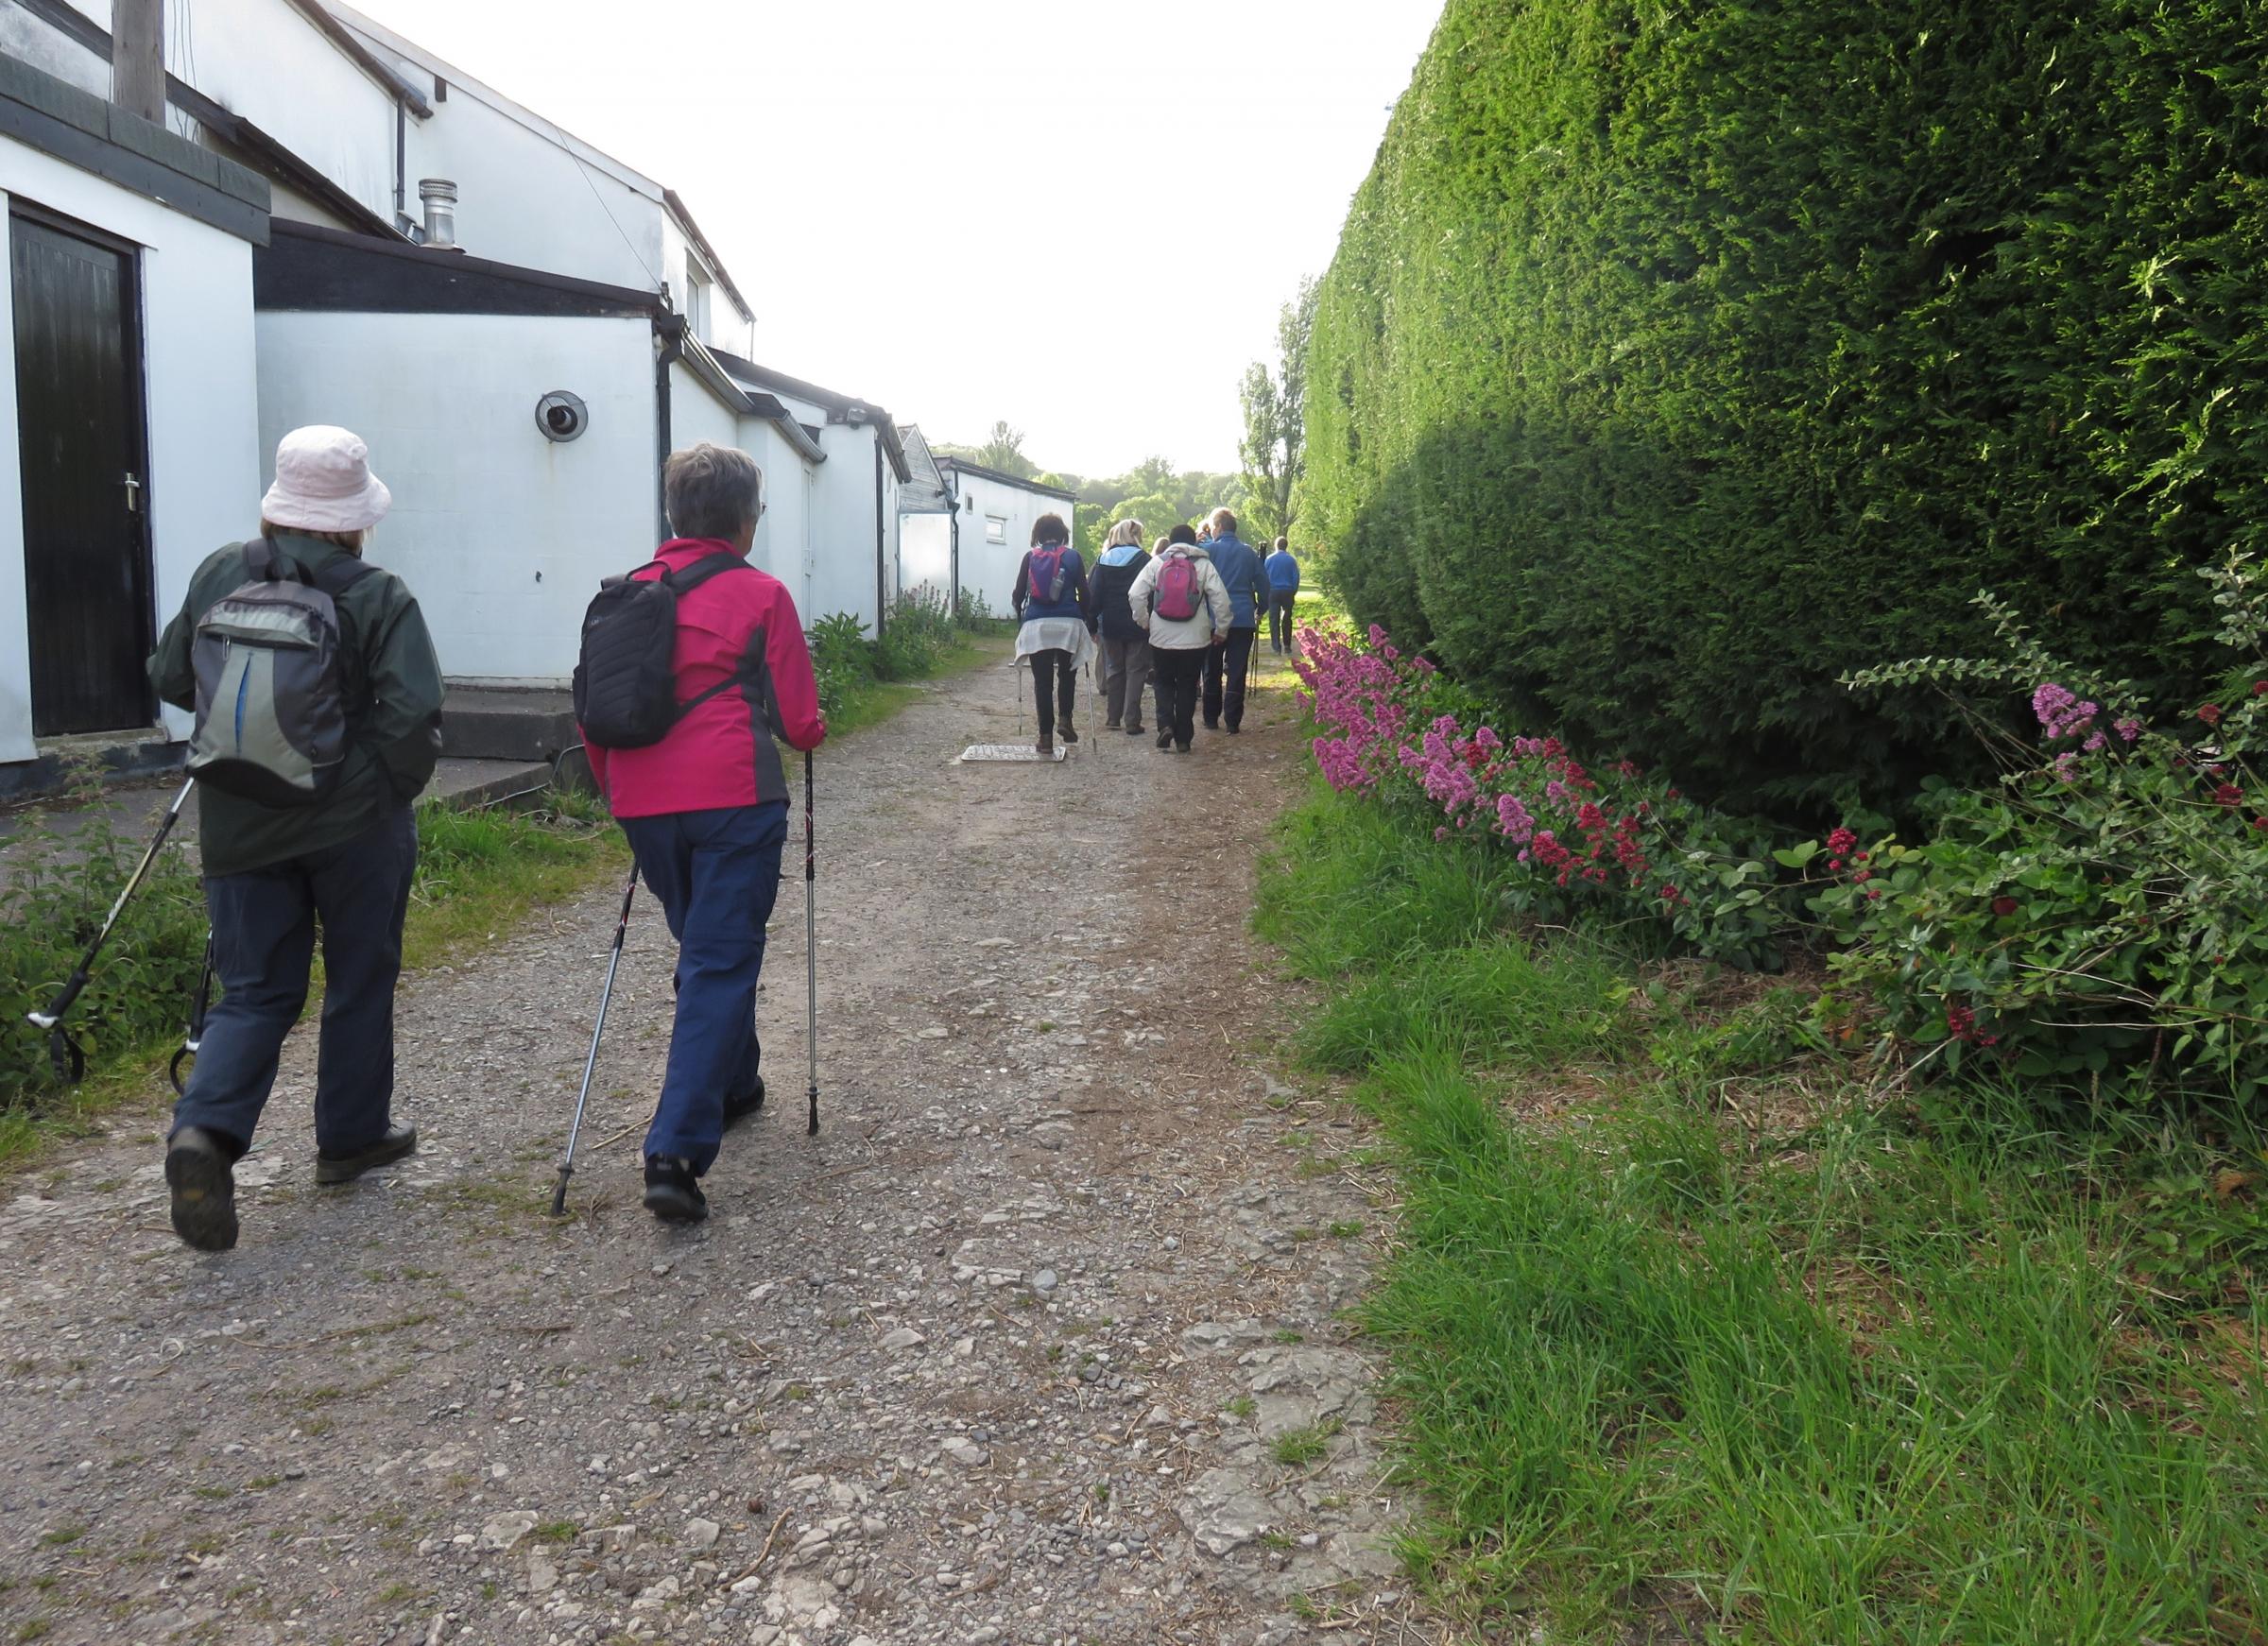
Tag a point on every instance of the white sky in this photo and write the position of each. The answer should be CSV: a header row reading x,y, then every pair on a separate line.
x,y
1078,216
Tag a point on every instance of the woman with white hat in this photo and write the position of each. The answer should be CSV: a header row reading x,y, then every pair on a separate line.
x,y
300,830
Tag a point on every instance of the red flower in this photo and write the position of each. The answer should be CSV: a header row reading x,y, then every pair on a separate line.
x,y
1842,843
2258,687
2228,794
2003,907
2210,713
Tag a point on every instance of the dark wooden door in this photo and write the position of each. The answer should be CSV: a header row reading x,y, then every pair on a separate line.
x,y
86,556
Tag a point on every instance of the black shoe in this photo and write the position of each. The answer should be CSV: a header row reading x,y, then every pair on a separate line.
x,y
1113,726
1133,731
1212,726
398,1142
1165,740
672,1193
1180,749
1046,745
1233,730
202,1176
748,1103
1069,733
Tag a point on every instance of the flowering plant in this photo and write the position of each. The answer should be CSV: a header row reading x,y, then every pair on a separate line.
x,y
1569,842
2105,911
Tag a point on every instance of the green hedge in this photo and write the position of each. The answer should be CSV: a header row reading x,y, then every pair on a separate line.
x,y
1680,358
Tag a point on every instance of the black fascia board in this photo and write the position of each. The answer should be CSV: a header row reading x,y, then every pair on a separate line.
x,y
280,161
79,129
965,467
307,266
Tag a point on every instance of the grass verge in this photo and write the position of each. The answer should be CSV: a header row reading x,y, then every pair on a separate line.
x,y
1732,1346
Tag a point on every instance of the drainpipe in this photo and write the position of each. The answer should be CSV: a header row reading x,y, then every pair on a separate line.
x,y
670,329
953,552
881,604
402,167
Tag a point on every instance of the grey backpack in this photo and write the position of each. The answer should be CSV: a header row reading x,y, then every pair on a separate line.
x,y
273,689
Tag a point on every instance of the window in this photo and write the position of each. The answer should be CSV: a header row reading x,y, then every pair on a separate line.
x,y
996,529
697,300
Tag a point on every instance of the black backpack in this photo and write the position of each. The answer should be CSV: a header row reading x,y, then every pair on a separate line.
x,y
626,690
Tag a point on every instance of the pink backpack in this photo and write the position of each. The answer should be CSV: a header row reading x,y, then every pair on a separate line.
x,y
1180,589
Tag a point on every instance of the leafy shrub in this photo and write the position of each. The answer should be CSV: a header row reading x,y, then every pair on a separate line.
x,y
2105,909
976,615
1677,359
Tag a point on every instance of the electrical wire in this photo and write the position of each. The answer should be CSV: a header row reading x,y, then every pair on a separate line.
x,y
631,245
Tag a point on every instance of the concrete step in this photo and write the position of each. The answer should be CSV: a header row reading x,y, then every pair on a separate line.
x,y
488,723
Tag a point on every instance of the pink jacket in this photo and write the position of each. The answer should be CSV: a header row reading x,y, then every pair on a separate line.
x,y
722,754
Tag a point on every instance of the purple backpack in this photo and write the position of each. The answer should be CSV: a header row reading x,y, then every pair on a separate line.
x,y
1046,579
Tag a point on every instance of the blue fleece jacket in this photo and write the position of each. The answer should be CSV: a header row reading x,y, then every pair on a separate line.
x,y
1284,573
1247,580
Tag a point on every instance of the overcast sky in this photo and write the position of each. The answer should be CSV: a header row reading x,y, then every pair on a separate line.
x,y
1078,216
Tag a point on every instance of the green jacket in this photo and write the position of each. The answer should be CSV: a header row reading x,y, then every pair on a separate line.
x,y
394,738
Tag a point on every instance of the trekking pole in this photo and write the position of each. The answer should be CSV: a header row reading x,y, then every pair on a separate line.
x,y
605,998
69,1058
811,940
199,1005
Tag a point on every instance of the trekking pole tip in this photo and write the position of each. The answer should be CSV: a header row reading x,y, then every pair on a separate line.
x,y
559,1195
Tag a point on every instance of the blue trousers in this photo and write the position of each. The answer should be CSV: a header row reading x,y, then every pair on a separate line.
x,y
264,935
716,875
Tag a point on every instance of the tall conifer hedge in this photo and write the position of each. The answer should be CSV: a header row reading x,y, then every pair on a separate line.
x,y
1678,357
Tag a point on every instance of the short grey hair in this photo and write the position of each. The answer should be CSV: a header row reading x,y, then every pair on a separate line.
x,y
712,491
1223,522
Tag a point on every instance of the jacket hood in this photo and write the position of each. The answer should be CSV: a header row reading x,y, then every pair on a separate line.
x,y
1195,551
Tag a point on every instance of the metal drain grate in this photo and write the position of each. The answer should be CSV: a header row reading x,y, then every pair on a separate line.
x,y
1010,751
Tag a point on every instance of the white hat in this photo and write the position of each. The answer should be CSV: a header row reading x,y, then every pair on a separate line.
x,y
324,484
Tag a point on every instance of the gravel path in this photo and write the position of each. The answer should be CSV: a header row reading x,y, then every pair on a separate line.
x,y
1037,1342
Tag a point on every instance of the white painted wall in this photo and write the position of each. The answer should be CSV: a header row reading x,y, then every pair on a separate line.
x,y
925,552
988,568
262,59
784,535
204,465
502,534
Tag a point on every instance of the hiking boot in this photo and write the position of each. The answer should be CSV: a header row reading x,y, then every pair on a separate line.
x,y
672,1193
1212,726
1114,726
203,1180
1046,746
746,1104
1069,733
1180,749
397,1141
1133,731
1165,740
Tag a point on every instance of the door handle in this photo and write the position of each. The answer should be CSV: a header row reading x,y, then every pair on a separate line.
x,y
133,493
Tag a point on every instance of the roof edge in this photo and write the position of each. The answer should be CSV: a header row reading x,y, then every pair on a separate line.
x,y
962,465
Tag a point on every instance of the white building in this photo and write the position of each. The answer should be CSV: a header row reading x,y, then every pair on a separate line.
x,y
990,528
128,442
520,326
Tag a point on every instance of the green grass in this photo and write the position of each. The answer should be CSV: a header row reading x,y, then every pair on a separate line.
x,y
1911,1371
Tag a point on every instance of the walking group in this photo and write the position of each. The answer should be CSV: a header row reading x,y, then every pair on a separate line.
x,y
1179,620
317,698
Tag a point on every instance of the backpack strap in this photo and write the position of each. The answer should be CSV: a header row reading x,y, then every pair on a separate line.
x,y
341,574
263,560
708,566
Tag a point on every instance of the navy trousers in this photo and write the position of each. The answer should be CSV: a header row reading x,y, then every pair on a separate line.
x,y
716,875
263,936
1225,669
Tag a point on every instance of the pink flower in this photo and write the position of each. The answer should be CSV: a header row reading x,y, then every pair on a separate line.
x,y
2060,713
1842,842
2127,729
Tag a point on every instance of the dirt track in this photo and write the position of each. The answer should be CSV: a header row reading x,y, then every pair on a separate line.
x,y
1036,1342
